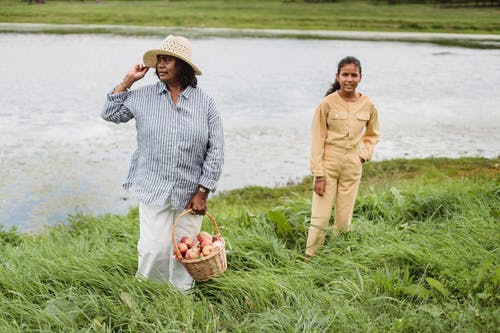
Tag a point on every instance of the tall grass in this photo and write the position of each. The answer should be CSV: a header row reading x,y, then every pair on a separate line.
x,y
423,256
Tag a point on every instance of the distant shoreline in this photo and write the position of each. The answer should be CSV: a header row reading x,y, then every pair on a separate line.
x,y
481,41
375,174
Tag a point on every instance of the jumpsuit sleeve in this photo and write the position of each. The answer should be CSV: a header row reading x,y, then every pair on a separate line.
x,y
214,158
319,134
371,135
115,108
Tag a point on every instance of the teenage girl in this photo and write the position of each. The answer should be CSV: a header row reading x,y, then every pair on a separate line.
x,y
345,131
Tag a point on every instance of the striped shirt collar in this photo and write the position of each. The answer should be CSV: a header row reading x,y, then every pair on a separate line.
x,y
161,88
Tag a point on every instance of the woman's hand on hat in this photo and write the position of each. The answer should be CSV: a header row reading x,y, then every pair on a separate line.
x,y
139,71
136,73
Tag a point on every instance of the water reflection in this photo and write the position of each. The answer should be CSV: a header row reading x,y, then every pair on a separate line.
x,y
58,157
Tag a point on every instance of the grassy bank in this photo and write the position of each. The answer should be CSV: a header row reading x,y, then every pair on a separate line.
x,y
270,14
423,257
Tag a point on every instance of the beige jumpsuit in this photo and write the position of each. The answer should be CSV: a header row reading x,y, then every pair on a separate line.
x,y
342,132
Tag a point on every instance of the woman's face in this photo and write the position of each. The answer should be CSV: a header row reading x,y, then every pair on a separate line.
x,y
348,78
166,68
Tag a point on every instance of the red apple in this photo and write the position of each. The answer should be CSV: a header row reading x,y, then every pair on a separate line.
x,y
206,242
188,241
193,253
182,247
203,235
207,250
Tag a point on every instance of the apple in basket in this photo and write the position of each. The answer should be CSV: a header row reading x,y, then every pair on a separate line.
x,y
207,250
193,253
182,247
203,235
188,241
206,242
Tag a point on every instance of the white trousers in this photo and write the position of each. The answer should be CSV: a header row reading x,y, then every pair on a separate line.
x,y
155,246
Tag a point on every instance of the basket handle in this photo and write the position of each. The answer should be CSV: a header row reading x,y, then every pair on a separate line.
x,y
184,212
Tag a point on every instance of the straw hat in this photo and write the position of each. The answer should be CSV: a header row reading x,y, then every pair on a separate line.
x,y
176,46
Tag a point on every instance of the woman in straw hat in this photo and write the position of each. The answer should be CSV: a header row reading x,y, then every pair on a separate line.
x,y
179,156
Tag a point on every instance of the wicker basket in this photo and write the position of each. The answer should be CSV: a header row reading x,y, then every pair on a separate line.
x,y
205,268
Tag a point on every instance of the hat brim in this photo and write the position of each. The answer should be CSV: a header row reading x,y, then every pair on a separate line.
x,y
150,60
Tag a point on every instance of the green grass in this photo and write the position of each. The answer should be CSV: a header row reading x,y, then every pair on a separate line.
x,y
276,14
423,256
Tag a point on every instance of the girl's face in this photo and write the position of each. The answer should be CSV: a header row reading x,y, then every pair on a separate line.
x,y
349,78
166,68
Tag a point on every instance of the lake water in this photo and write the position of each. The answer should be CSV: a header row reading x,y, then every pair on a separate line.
x,y
57,157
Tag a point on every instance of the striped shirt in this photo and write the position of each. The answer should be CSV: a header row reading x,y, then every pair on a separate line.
x,y
178,147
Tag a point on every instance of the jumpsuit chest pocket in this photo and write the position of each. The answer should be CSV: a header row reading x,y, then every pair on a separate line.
x,y
338,122
361,120
363,116
338,115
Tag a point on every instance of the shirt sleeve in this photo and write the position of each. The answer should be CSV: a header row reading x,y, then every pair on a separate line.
x,y
371,135
319,134
214,158
115,109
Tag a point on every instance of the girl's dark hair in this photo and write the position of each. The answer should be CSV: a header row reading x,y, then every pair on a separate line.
x,y
186,75
346,61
